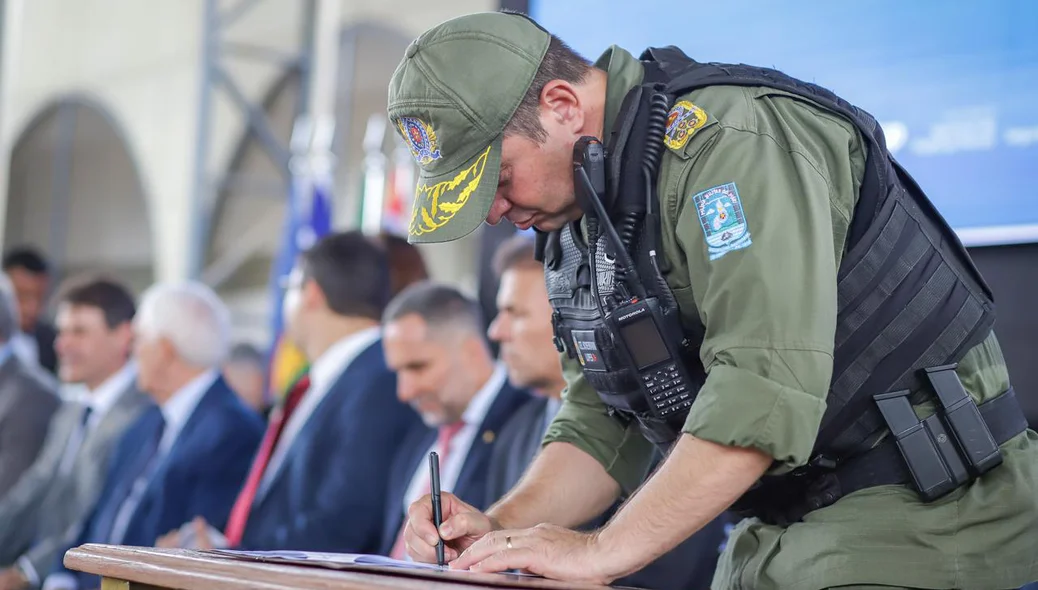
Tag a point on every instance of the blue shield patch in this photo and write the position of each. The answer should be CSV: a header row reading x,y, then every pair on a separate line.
x,y
723,220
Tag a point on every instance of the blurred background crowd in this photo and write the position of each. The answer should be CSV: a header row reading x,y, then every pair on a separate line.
x,y
212,329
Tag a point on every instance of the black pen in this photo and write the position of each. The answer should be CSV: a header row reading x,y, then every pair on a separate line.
x,y
434,472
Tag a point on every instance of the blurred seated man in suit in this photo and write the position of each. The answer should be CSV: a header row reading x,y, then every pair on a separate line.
x,y
188,454
434,341
30,275
319,480
245,372
28,399
524,331
40,512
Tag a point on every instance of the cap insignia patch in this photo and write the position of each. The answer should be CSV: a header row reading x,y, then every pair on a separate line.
x,y
420,138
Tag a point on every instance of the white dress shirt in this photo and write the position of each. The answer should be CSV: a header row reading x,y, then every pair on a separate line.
x,y
324,372
178,409
473,417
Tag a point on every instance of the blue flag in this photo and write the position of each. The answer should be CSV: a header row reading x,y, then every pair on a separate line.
x,y
308,218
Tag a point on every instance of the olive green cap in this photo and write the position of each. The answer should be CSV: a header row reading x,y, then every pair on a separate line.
x,y
450,98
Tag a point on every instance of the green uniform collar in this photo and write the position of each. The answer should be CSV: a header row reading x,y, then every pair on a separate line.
x,y
623,72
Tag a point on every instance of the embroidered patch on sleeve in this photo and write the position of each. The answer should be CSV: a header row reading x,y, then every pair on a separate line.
x,y
723,220
682,122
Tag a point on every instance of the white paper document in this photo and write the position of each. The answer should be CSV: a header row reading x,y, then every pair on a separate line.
x,y
329,558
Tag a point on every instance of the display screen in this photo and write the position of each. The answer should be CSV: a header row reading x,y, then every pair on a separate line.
x,y
644,342
954,84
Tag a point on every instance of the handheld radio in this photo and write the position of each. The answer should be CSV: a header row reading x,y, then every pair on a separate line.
x,y
645,331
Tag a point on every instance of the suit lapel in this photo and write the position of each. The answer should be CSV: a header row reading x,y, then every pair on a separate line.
x,y
62,426
197,420
473,471
354,371
417,444
122,412
8,395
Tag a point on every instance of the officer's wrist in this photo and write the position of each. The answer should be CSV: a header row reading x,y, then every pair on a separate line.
x,y
614,558
500,520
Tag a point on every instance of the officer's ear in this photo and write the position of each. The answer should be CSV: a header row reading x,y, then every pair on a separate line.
x,y
562,107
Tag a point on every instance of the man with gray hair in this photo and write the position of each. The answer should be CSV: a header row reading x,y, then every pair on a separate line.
x,y
28,399
433,338
187,455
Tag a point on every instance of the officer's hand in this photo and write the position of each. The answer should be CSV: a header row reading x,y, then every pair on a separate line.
x,y
462,526
546,550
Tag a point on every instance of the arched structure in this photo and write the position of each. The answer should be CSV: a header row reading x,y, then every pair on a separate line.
x,y
75,192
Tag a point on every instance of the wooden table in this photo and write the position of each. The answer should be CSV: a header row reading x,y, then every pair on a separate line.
x,y
138,568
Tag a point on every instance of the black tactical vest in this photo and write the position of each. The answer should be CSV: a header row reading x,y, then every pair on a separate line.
x,y
909,297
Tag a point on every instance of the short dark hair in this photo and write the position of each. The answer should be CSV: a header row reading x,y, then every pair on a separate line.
x,y
438,304
110,296
518,250
559,63
27,258
352,271
406,265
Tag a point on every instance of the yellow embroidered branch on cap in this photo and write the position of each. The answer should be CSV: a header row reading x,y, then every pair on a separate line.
x,y
430,212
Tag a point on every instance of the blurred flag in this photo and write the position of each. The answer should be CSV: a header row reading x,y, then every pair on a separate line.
x,y
399,191
309,218
373,187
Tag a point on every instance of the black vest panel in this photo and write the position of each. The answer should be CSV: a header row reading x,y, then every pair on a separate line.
x,y
909,296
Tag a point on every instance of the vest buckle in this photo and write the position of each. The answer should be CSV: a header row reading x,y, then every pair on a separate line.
x,y
556,318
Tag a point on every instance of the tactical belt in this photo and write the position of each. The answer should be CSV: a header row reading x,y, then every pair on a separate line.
x,y
821,484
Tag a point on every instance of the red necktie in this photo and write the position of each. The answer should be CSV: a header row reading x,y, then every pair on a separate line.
x,y
240,511
443,445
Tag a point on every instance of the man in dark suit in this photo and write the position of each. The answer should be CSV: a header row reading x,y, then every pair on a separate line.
x,y
434,341
524,331
28,399
29,273
51,498
319,479
189,453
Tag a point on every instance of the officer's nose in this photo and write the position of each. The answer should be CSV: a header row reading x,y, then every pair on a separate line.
x,y
498,209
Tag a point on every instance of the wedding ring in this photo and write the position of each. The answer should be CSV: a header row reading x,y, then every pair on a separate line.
x,y
508,542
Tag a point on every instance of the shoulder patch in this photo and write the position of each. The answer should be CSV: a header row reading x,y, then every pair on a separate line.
x,y
682,123
723,220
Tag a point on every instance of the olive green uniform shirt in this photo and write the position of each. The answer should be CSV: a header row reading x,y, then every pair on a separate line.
x,y
769,308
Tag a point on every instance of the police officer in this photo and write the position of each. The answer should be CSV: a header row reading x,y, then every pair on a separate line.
x,y
822,296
